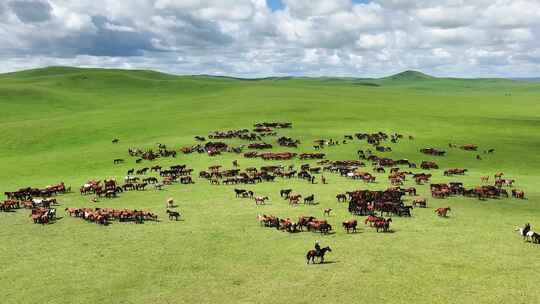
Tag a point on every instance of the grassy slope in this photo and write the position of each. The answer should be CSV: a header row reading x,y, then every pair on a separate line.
x,y
56,124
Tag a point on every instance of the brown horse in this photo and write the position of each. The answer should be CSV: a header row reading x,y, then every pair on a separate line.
x,y
327,211
420,201
259,200
310,256
294,199
350,225
383,225
442,212
371,219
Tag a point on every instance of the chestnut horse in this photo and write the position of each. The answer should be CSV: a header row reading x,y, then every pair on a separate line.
x,y
442,212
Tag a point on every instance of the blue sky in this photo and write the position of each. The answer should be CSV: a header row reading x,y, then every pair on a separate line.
x,y
244,38
275,4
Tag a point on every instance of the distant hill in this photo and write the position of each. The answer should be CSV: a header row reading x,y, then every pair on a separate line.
x,y
409,76
532,79
113,80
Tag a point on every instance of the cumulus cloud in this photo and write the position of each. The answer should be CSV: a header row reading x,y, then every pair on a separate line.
x,y
31,11
247,38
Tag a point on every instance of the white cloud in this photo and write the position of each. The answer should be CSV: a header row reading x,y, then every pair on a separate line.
x,y
246,38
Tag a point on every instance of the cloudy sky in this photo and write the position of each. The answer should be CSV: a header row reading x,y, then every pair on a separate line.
x,y
254,38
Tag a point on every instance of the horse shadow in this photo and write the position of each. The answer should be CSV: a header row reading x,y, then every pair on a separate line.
x,y
178,220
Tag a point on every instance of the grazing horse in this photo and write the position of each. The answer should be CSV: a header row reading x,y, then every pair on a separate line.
x,y
239,192
371,219
309,199
173,214
293,199
115,141
442,212
259,200
350,225
327,211
310,256
420,201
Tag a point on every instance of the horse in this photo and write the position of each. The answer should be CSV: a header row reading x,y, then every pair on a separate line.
x,y
293,199
309,199
239,192
523,231
285,193
442,212
351,224
327,211
173,214
420,201
259,200
535,237
371,219
310,256
383,225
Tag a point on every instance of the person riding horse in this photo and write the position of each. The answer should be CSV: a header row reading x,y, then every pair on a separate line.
x,y
317,247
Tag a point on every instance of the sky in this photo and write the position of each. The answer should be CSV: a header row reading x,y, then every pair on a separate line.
x,y
259,38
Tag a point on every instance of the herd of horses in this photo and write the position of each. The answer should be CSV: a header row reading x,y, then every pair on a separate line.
x,y
309,223
104,216
378,206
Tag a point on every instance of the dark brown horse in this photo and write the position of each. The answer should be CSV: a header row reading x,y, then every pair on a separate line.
x,y
350,225
310,256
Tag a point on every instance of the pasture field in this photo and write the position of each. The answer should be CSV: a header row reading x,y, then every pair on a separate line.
x,y
56,124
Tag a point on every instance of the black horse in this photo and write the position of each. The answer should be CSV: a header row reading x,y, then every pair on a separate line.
x,y
310,256
285,193
173,214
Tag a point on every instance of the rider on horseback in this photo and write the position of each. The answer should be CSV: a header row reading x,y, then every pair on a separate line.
x,y
318,247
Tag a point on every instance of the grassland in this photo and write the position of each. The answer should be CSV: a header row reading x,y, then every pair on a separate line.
x,y
57,124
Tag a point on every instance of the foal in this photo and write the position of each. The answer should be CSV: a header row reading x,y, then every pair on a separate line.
x,y
173,214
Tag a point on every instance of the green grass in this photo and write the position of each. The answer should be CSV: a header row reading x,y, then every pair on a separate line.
x,y
56,125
